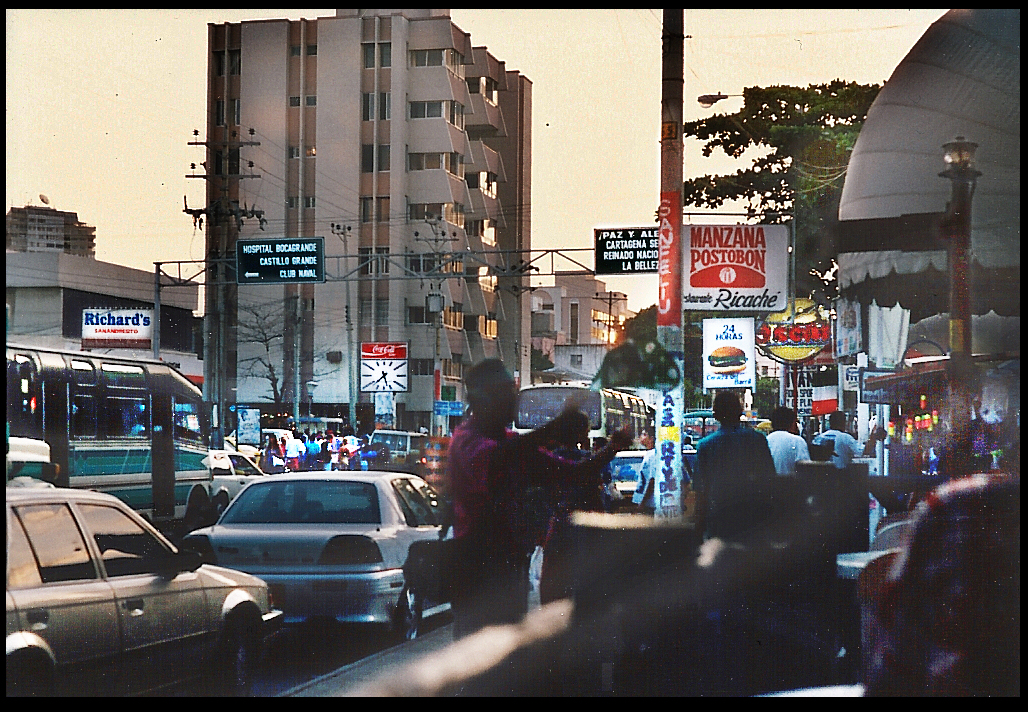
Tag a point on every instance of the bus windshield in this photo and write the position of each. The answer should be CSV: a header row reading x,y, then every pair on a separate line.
x,y
538,406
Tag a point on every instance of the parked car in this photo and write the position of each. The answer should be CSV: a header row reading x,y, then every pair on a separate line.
x,y
99,602
230,471
331,544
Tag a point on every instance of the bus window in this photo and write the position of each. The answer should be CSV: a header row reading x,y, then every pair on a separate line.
x,y
127,417
187,421
124,375
24,414
83,400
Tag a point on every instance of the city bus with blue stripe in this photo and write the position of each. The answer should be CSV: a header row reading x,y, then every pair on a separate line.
x,y
134,428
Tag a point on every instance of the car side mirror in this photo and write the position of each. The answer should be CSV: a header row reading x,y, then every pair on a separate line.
x,y
182,561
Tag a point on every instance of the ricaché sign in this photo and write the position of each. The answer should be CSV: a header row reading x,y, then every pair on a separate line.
x,y
735,267
117,328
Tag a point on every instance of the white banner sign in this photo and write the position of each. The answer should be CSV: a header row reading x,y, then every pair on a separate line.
x,y
735,267
117,328
728,353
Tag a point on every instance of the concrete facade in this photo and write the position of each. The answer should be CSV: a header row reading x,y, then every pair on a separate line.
x,y
390,135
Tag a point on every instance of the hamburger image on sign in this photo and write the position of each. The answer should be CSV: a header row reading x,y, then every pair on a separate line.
x,y
727,359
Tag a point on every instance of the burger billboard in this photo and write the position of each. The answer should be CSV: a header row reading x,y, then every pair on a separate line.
x,y
728,355
735,267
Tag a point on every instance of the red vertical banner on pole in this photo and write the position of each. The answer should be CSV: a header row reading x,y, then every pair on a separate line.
x,y
669,264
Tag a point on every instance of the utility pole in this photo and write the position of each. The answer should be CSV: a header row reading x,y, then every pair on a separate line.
x,y
434,305
225,219
667,496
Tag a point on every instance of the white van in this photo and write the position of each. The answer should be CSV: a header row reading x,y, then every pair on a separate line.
x,y
405,448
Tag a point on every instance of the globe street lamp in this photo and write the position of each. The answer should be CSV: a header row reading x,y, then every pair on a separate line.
x,y
956,229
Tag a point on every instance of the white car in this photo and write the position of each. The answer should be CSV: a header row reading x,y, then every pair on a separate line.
x,y
330,544
230,471
625,470
99,603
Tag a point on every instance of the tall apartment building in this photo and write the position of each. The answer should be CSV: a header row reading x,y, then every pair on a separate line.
x,y
391,135
44,229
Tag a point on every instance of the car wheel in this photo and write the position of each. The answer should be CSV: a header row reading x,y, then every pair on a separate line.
x,y
29,677
241,654
407,621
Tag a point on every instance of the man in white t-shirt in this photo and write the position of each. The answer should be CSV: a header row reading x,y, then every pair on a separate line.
x,y
643,496
785,442
845,445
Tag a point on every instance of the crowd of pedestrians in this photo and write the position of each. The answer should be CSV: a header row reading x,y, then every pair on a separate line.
x,y
306,451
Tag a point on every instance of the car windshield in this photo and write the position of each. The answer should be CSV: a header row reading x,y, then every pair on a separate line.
x,y
394,441
625,469
305,502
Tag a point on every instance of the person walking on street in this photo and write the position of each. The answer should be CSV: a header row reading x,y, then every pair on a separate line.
x,y
787,447
734,477
643,496
844,446
488,466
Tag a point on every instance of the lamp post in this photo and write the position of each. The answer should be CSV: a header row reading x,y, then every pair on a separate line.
x,y
342,232
956,229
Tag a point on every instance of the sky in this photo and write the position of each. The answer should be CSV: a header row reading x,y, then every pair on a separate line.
x,y
101,105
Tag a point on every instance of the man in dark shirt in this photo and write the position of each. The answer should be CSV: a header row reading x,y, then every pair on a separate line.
x,y
735,476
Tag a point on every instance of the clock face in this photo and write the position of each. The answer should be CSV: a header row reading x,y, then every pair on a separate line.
x,y
378,375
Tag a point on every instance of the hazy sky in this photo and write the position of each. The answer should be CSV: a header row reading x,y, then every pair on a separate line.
x,y
102,103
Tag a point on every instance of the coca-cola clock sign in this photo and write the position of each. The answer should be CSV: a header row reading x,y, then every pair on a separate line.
x,y
384,367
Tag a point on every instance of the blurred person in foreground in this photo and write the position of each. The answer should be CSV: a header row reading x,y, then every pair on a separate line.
x,y
787,447
490,467
734,478
948,622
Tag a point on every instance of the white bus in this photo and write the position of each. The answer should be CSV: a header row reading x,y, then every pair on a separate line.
x,y
608,410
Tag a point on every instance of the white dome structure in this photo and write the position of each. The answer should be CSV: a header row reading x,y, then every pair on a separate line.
x,y
962,78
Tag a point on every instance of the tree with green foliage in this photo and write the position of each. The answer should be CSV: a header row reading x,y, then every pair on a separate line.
x,y
804,136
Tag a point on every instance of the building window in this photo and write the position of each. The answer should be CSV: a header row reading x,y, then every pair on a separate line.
x,y
367,158
385,55
385,106
453,59
294,101
236,112
219,112
373,261
367,107
312,50
292,202
294,151
312,152
234,62
219,64
422,367
308,201
381,311
294,50
576,359
426,109
573,326
368,103
450,212
453,315
474,85
453,162
312,101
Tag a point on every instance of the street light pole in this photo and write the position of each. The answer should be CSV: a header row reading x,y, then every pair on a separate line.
x,y
959,157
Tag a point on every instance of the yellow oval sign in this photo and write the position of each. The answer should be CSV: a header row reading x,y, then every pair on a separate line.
x,y
795,340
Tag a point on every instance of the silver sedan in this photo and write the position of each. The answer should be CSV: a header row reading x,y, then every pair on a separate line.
x,y
331,545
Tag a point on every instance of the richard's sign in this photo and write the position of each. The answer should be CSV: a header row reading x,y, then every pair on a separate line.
x,y
735,267
117,328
